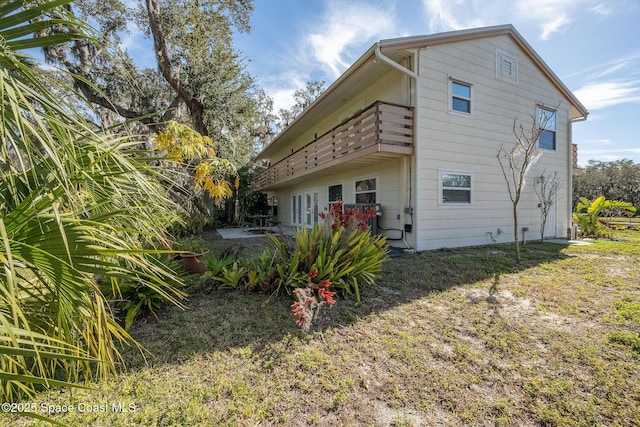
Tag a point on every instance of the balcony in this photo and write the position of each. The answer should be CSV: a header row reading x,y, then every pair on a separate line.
x,y
379,132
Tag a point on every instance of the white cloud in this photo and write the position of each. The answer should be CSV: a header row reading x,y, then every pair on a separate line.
x,y
335,39
442,16
609,7
548,16
627,63
446,15
595,143
602,9
282,90
607,94
131,38
551,16
344,25
608,155
558,24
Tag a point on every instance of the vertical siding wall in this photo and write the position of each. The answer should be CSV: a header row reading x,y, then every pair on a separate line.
x,y
470,144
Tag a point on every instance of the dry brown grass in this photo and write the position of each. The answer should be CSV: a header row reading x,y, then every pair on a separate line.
x,y
451,337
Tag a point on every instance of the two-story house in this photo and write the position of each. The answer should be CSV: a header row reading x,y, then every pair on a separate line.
x,y
415,126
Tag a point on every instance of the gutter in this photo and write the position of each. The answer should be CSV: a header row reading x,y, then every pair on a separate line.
x,y
570,170
408,197
393,63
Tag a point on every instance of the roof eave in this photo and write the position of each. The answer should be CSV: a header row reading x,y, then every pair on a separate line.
x,y
470,34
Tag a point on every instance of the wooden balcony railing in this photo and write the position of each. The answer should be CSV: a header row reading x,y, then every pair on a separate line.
x,y
381,130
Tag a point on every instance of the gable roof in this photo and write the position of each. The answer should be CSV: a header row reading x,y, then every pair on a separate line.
x,y
367,69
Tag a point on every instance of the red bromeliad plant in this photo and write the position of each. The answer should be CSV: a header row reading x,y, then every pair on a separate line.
x,y
337,255
310,299
349,218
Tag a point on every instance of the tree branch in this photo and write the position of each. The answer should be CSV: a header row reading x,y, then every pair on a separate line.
x,y
94,97
195,107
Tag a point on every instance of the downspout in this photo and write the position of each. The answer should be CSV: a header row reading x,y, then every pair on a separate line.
x,y
414,76
394,64
570,169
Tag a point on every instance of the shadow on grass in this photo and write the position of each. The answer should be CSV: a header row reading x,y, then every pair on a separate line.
x,y
217,320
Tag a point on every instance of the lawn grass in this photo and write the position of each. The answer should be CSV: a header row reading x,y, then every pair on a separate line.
x,y
448,337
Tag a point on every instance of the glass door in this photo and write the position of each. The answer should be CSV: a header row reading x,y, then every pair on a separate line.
x,y
311,206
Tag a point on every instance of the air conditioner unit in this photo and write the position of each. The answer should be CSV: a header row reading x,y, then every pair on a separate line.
x,y
371,222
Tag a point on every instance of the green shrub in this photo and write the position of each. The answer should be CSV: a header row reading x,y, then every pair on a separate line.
x,y
590,215
232,277
227,271
262,272
217,263
590,226
340,250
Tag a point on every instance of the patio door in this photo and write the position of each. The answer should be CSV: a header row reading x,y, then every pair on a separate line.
x,y
296,209
311,207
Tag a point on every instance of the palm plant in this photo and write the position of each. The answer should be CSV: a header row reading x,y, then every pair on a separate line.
x,y
77,207
588,214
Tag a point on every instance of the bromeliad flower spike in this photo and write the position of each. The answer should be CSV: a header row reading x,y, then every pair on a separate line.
x,y
308,303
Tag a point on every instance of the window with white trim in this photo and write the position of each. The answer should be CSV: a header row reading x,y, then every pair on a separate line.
x,y
460,96
547,124
335,194
366,190
455,188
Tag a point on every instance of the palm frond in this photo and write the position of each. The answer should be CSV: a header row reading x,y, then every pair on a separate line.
x,y
76,207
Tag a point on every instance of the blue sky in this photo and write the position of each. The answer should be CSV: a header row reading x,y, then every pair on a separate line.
x,y
592,45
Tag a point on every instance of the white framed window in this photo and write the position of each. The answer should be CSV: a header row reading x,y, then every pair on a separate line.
x,y
455,188
546,119
460,96
335,194
506,66
366,190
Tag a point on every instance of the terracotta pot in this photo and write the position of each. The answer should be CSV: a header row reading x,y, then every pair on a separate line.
x,y
194,263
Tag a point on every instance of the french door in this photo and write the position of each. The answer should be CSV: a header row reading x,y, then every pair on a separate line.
x,y
311,207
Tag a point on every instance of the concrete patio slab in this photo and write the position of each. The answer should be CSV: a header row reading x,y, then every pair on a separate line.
x,y
238,233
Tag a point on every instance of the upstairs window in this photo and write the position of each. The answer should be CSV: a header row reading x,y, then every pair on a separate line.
x,y
460,97
547,124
